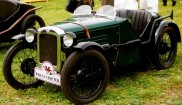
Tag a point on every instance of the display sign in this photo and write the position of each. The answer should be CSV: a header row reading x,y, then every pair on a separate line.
x,y
47,73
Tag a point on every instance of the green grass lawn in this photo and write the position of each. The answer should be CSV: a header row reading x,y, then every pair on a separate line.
x,y
149,87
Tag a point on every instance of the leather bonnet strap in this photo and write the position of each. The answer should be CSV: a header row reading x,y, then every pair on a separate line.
x,y
84,27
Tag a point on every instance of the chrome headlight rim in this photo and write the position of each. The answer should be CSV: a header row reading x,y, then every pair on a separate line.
x,y
69,39
30,35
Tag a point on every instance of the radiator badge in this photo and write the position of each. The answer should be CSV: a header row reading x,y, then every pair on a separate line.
x,y
48,68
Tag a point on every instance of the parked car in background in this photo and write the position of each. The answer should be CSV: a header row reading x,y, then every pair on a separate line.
x,y
78,54
15,18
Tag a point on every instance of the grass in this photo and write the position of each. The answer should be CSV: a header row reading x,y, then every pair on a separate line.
x,y
149,87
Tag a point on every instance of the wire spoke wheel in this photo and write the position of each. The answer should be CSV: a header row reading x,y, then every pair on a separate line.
x,y
22,69
84,76
18,66
166,48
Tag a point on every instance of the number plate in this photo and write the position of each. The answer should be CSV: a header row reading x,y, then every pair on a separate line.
x,y
47,73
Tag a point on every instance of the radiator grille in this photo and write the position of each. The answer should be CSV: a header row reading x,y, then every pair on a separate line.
x,y
48,48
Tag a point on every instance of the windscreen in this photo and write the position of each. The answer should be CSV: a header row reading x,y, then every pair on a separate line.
x,y
106,10
83,10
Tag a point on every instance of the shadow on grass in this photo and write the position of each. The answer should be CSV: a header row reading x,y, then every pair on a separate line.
x,y
130,70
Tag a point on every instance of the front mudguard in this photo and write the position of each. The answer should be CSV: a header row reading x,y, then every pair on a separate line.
x,y
19,37
22,38
167,23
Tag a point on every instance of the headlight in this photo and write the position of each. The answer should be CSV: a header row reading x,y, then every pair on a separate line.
x,y
30,35
68,39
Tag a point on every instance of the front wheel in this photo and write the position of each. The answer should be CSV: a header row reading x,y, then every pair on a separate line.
x,y
18,66
166,49
84,76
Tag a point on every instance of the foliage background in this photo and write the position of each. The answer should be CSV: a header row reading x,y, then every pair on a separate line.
x,y
129,87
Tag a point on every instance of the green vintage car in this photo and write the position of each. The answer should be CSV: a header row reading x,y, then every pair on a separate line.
x,y
78,54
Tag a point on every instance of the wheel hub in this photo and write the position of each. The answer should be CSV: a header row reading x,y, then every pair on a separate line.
x,y
27,66
164,48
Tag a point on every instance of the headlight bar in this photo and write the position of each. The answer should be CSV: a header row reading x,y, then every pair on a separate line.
x,y
55,29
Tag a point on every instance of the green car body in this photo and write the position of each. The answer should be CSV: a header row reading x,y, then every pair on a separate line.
x,y
102,31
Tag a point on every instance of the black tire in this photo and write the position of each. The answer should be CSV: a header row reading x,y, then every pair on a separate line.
x,y
166,49
18,66
32,21
84,76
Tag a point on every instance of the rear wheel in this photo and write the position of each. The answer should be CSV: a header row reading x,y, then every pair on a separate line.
x,y
84,76
18,66
166,49
32,21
